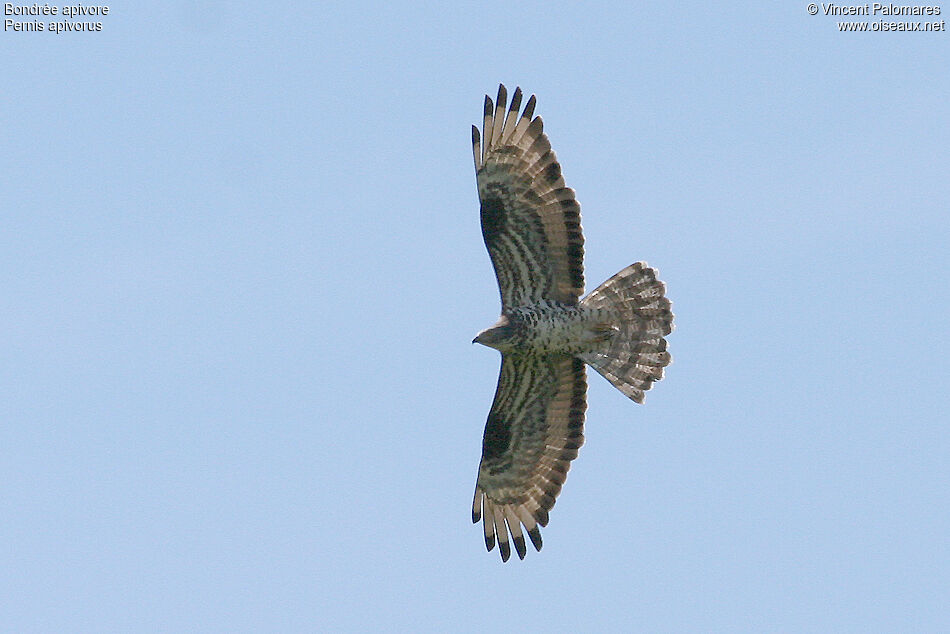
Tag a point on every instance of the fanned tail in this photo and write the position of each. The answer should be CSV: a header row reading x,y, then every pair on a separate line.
x,y
639,314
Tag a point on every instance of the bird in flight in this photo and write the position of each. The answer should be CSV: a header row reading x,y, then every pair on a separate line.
x,y
546,334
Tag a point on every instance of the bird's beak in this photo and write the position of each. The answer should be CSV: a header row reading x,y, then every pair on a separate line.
x,y
475,340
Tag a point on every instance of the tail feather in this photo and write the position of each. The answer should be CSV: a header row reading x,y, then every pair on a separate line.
x,y
639,317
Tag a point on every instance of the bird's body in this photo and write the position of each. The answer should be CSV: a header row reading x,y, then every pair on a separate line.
x,y
546,333
548,327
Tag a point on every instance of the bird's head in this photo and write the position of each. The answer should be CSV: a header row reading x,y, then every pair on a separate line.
x,y
496,336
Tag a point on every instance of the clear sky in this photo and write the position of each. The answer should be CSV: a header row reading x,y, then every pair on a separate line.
x,y
241,269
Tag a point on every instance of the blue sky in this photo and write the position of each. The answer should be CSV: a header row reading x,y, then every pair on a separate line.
x,y
241,269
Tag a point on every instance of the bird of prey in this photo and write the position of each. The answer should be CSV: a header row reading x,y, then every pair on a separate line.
x,y
546,334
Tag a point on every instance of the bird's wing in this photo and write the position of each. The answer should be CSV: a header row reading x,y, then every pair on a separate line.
x,y
530,221
534,429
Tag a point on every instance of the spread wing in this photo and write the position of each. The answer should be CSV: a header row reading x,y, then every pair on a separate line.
x,y
530,221
534,429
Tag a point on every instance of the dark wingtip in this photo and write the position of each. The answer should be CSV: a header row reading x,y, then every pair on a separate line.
x,y
520,547
476,515
502,95
488,105
542,517
489,541
505,550
475,136
529,108
515,100
535,535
